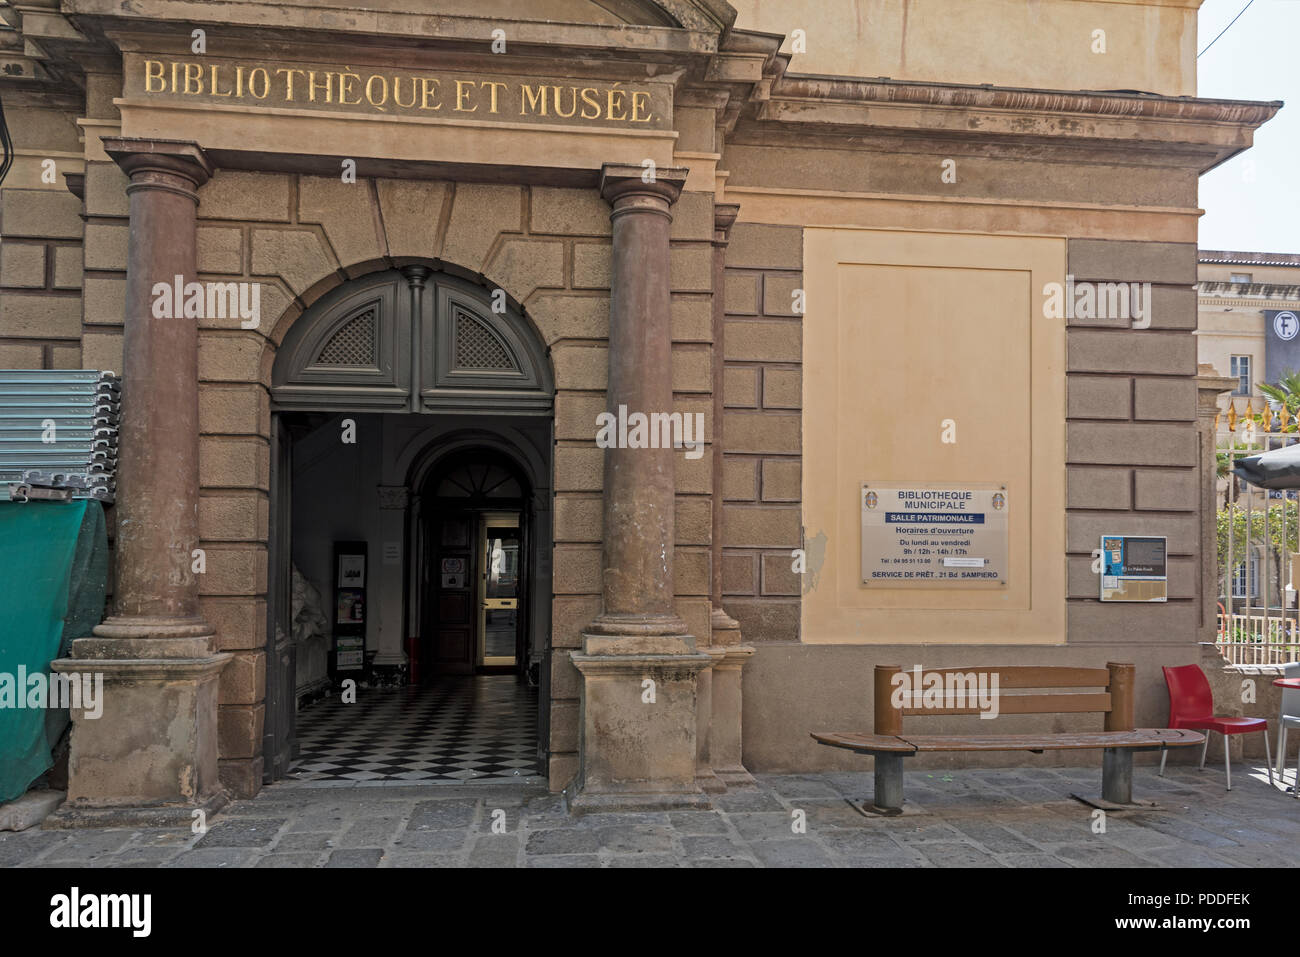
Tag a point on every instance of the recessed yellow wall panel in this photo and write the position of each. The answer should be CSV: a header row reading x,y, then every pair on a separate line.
x,y
911,338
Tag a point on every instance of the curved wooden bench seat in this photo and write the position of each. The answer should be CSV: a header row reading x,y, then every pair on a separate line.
x,y
1142,739
889,744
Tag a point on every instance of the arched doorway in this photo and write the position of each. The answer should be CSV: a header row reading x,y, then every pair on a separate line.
x,y
411,417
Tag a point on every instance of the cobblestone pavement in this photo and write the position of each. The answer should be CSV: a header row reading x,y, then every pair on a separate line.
x,y
963,818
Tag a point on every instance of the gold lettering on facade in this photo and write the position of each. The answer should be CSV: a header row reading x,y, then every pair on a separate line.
x,y
573,108
397,98
345,83
492,86
532,100
383,92
313,86
613,95
215,91
638,98
429,87
266,83
600,102
150,76
289,80
463,89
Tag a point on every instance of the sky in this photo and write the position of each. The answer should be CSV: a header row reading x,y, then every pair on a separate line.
x,y
1252,202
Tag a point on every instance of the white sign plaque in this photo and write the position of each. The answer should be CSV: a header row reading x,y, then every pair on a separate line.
x,y
936,535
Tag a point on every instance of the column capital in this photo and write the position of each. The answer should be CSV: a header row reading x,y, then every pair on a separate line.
x,y
724,217
138,157
622,181
1209,386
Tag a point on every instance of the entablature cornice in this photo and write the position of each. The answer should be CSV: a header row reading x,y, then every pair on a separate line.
x,y
1177,131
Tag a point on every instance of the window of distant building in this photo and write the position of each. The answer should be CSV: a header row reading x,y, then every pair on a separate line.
x,y
1240,368
1239,582
1240,277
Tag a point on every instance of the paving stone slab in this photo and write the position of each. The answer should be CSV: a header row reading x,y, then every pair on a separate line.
x,y
494,850
562,841
747,799
440,841
563,860
711,845
422,860
355,857
214,857
722,862
698,822
943,854
439,815
635,839
646,860
242,832
288,860
796,852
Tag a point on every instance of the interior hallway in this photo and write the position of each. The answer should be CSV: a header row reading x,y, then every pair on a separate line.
x,y
480,729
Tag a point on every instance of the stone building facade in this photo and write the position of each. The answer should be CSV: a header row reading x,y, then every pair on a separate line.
x,y
826,248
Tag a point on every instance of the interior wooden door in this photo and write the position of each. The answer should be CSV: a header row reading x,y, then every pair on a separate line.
x,y
452,622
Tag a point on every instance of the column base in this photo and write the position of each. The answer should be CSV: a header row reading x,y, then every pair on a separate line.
x,y
735,777
163,815
707,780
587,803
144,748
638,723
725,733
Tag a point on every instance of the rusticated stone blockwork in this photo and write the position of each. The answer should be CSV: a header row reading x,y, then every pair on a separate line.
x,y
1131,441
763,383
41,234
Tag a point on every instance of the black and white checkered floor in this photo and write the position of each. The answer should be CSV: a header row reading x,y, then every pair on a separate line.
x,y
481,729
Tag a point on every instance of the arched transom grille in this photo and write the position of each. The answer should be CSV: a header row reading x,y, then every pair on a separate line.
x,y
477,348
353,345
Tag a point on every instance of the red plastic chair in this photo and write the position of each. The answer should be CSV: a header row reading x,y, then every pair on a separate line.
x,y
1191,706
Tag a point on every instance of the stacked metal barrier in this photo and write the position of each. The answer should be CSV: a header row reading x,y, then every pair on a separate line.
x,y
58,434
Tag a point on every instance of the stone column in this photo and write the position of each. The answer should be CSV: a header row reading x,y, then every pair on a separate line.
x,y
639,665
151,756
1209,386
724,738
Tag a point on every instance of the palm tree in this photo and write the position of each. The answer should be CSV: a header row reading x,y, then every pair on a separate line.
x,y
1286,391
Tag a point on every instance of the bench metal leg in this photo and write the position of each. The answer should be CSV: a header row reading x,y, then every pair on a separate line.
x,y
1117,775
889,783
1164,753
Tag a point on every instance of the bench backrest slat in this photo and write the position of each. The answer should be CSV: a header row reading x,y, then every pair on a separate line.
x,y
1115,702
1036,677
1074,703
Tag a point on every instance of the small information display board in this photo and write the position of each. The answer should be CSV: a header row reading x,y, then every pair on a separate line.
x,y
1134,568
935,535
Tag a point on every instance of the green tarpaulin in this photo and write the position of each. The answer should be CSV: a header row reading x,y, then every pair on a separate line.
x,y
53,573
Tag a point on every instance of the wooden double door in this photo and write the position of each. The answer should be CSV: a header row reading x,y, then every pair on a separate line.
x,y
477,590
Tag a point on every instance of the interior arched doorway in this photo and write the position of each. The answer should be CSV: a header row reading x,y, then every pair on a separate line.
x,y
387,388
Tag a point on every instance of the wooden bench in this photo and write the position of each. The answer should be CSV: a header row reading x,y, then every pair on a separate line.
x,y
889,745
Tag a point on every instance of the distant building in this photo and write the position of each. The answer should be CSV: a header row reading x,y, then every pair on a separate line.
x,y
1238,292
